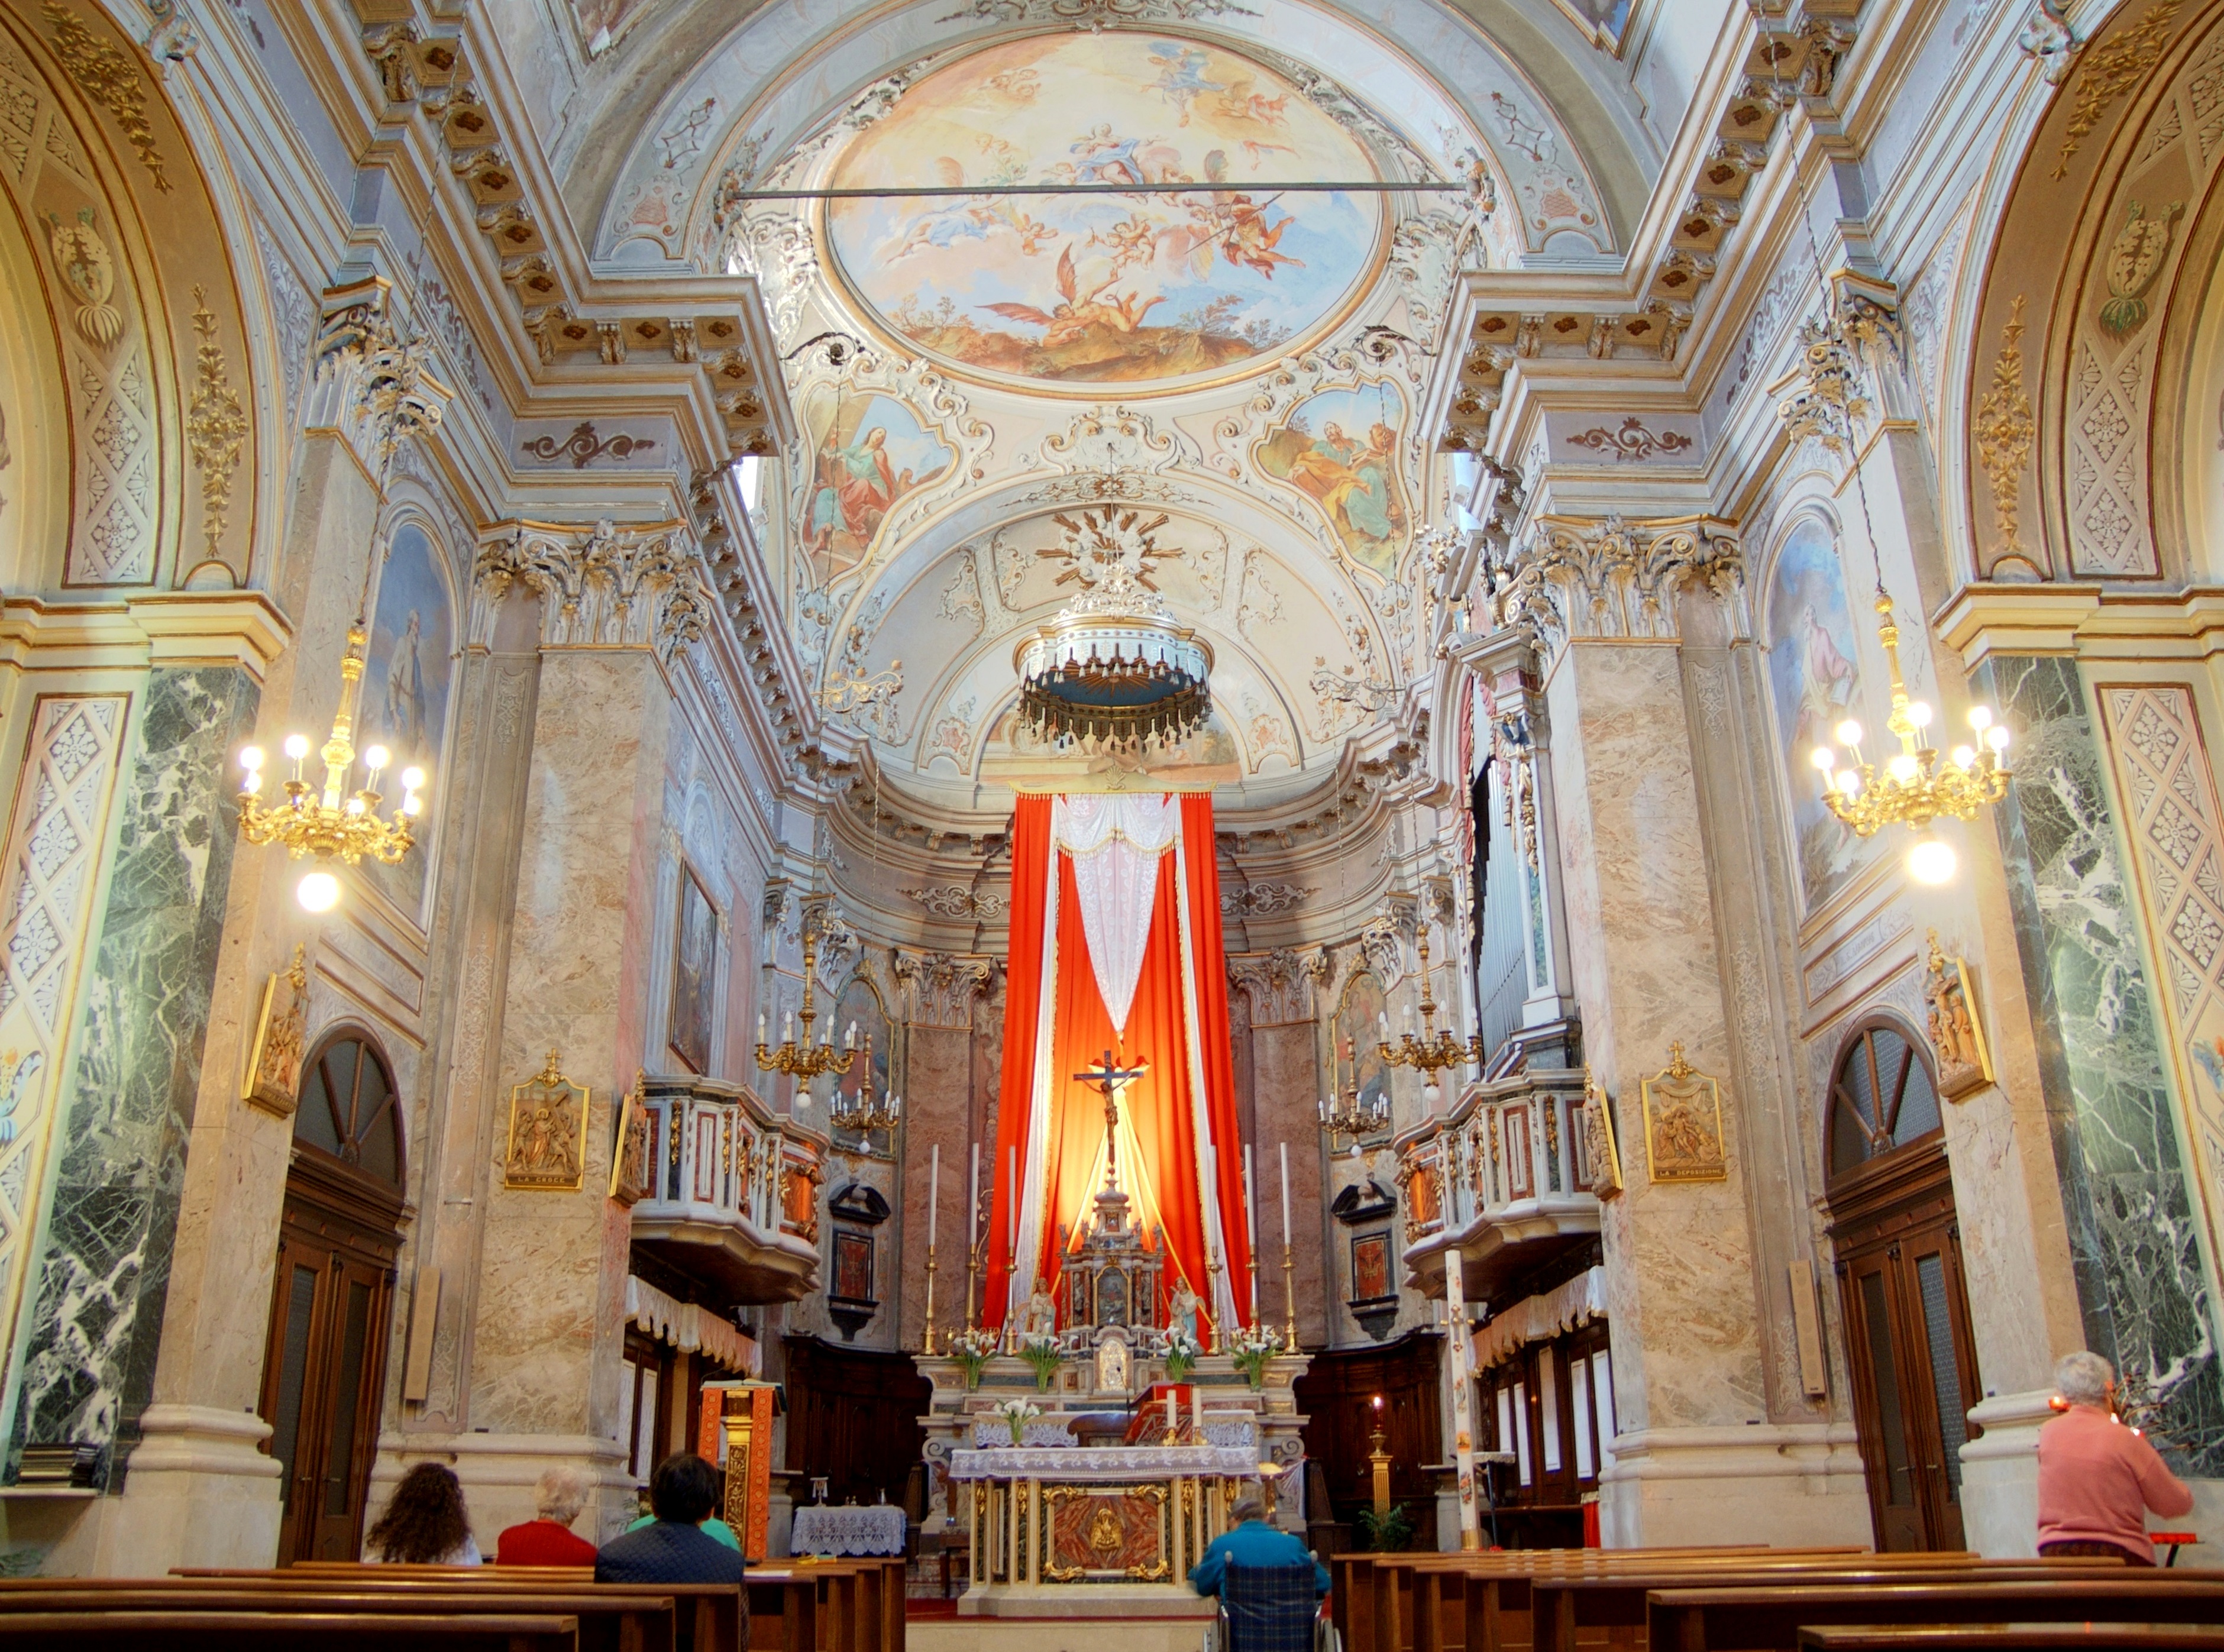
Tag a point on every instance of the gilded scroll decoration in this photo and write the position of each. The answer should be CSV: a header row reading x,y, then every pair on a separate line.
x,y
216,425
2003,428
110,79
2113,70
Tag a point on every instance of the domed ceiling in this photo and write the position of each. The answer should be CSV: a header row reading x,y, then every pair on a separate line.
x,y
1218,315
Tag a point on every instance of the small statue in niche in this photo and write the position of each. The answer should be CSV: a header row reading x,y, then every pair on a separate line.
x,y
1041,1315
1112,1365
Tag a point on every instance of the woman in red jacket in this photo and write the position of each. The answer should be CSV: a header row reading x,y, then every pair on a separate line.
x,y
558,1496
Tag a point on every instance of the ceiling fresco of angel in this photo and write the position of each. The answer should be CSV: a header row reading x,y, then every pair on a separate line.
x,y
1128,285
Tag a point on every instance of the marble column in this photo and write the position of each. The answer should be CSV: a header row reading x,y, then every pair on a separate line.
x,y
2126,1187
1286,1089
95,1312
940,990
542,1381
1696,1451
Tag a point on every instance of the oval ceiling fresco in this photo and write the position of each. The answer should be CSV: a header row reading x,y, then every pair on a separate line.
x,y
1125,287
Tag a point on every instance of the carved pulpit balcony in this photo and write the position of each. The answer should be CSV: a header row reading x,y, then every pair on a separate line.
x,y
1503,1178
733,1189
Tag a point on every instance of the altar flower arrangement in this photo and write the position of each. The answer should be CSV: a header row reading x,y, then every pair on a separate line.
x,y
1040,1350
1181,1351
972,1349
1253,1347
1016,1414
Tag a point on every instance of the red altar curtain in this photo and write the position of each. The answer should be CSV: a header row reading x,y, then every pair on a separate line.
x,y
1210,970
1023,983
1163,1110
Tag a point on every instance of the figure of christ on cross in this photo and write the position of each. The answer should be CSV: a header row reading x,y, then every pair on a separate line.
x,y
1110,1080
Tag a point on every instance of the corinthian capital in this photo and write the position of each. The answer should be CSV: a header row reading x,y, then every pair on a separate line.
x,y
605,587
1606,577
943,986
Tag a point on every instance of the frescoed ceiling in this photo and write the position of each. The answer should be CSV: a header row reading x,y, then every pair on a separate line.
x,y
1239,365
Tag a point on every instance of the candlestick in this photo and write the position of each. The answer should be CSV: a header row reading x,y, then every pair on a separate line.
x,y
1289,1301
1212,1315
933,1232
973,1234
1012,1250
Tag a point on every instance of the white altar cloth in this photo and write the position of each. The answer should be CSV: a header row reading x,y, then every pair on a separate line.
x,y
1099,1462
876,1529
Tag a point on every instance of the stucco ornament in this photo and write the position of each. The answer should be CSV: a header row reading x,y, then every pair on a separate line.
x,y
2134,264
82,258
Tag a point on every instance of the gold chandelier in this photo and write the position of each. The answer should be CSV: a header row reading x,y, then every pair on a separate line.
x,y
331,826
1915,785
1435,1050
863,1111
806,1061
399,397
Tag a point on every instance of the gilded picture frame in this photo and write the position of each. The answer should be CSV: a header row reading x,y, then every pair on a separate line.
x,y
630,1148
546,1148
1955,1026
272,1081
1684,1139
1599,1144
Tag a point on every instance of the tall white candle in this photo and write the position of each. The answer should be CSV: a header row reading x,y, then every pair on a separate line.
x,y
933,1195
1012,1198
1285,1195
1173,1421
973,1193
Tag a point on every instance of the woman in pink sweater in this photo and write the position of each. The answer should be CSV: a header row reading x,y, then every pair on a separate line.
x,y
2097,1476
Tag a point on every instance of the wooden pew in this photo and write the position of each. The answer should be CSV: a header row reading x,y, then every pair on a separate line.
x,y
1565,1611
639,1620
710,1617
163,1631
1714,1619
2014,1637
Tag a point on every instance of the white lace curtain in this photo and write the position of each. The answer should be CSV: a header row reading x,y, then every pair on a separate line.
x,y
1115,841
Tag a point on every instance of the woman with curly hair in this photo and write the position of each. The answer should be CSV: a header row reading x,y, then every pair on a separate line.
x,y
424,1523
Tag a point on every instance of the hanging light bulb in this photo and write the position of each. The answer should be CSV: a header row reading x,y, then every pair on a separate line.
x,y
317,892
1930,860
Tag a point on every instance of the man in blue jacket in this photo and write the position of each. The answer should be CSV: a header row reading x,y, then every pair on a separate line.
x,y
1251,1541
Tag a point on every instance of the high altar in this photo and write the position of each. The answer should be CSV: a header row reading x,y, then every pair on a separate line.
x,y
1114,1291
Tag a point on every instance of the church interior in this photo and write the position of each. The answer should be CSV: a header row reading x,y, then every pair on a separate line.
x,y
1037,765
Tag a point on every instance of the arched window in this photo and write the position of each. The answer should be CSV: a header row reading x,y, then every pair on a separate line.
x,y
1882,1097
348,1106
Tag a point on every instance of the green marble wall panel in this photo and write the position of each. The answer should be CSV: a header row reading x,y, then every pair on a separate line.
x,y
2133,1228
88,1367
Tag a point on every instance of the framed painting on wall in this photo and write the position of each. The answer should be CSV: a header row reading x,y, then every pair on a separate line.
x,y
694,974
1370,1267
853,1266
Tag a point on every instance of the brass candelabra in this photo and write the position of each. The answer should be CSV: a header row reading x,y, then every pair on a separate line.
x,y
807,1061
863,1112
336,825
1435,1050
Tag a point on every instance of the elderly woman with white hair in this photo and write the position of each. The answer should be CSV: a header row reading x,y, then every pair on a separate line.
x,y
558,1497
2098,1475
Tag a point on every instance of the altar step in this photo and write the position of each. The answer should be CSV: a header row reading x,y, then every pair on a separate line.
x,y
1076,1634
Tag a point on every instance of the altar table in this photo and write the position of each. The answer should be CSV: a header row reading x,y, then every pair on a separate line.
x,y
1099,1524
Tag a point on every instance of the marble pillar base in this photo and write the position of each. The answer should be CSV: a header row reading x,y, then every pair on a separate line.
x,y
199,1491
1787,1485
1999,1476
498,1471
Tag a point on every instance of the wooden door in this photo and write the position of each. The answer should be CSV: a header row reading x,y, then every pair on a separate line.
x,y
1901,1295
324,1378
332,1301
853,1418
1908,1342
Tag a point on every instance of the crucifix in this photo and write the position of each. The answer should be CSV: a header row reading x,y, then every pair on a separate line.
x,y
1110,1080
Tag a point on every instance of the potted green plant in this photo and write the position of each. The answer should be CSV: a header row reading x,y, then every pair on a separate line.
x,y
1040,1350
1181,1351
972,1349
1252,1348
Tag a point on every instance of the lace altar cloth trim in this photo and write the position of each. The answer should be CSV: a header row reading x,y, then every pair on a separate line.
x,y
1099,1462
878,1529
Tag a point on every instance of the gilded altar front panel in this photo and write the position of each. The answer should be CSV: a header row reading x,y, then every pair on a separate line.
x,y
1108,1534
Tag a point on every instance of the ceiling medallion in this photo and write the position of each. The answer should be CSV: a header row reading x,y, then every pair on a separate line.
x,y
1112,669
